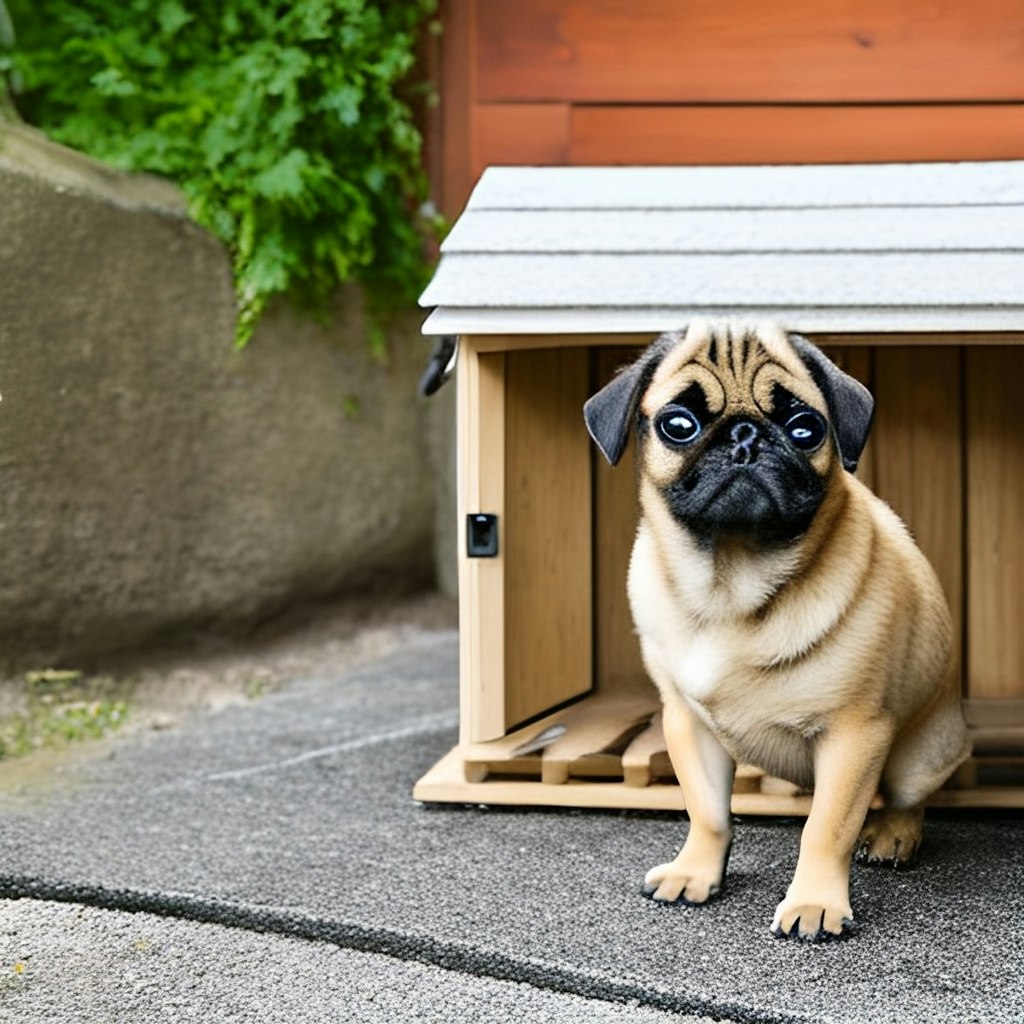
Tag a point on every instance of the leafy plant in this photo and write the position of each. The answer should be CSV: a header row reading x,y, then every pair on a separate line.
x,y
288,126
6,64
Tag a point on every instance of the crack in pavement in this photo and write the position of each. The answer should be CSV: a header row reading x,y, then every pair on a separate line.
x,y
432,723
443,953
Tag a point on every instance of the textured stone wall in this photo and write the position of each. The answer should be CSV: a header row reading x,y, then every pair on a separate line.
x,y
153,477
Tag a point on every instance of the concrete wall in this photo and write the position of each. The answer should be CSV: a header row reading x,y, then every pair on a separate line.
x,y
153,477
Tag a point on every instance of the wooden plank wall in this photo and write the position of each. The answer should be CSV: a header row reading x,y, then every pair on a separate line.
x,y
705,82
995,523
618,662
918,439
946,452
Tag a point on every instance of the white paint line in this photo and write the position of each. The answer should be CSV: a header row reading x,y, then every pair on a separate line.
x,y
432,723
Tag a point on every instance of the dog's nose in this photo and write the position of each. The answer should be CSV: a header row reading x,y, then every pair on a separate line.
x,y
745,437
743,432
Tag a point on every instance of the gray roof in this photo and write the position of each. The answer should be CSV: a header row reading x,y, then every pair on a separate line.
x,y
873,247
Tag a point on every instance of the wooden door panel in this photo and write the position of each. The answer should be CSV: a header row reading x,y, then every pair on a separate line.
x,y
547,532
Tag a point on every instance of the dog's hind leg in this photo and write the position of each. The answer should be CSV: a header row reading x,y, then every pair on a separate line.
x,y
890,836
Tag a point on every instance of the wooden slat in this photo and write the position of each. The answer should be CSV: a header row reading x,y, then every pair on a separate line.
x,y
448,782
590,727
675,135
887,339
972,323
753,188
619,664
995,714
428,112
784,51
918,449
893,280
864,229
993,797
593,725
511,342
520,133
858,361
481,472
995,522
596,763
648,750
547,532
457,89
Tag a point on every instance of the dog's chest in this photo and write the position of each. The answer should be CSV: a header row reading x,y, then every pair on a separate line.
x,y
702,665
698,660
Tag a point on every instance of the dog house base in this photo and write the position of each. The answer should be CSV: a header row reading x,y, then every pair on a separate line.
x,y
631,770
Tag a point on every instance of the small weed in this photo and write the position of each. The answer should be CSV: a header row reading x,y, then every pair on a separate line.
x,y
58,707
53,676
14,977
257,687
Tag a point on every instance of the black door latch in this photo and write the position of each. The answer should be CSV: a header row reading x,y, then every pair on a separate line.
x,y
481,535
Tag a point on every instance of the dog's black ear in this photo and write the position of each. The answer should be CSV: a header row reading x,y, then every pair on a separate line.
x,y
850,404
610,413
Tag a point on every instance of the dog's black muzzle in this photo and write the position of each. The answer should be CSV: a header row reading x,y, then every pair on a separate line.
x,y
747,481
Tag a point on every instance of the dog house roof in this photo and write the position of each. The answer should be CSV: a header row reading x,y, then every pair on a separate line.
x,y
855,248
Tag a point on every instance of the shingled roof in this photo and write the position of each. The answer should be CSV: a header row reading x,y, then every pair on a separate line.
x,y
854,248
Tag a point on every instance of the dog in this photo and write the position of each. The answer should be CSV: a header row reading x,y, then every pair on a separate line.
x,y
785,614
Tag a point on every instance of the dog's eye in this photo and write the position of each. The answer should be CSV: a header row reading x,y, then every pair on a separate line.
x,y
806,429
677,425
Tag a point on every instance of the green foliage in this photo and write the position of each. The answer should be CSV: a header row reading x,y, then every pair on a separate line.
x,y
288,125
61,707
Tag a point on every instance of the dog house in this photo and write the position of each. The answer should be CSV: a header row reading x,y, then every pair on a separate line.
x,y
910,276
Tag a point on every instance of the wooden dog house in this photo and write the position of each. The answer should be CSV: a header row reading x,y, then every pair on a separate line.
x,y
911,276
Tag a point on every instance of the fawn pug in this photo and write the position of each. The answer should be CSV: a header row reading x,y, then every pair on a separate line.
x,y
785,614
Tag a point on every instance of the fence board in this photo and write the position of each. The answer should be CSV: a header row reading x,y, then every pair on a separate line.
x,y
784,51
813,134
520,134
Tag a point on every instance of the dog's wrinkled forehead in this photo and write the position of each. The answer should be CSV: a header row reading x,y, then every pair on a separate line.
x,y
736,366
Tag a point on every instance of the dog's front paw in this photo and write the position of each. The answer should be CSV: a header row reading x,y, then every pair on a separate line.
x,y
683,880
812,915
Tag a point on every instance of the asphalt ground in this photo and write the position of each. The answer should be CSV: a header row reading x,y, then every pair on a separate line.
x,y
268,862
82,964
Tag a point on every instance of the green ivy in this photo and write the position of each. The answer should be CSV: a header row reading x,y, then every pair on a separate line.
x,y
287,125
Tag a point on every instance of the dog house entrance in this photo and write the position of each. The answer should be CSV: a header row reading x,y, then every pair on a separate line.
x,y
556,707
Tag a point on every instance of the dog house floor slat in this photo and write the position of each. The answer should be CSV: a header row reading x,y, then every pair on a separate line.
x,y
613,739
609,751
643,758
592,731
446,782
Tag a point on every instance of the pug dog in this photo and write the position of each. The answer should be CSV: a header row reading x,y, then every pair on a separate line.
x,y
785,614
